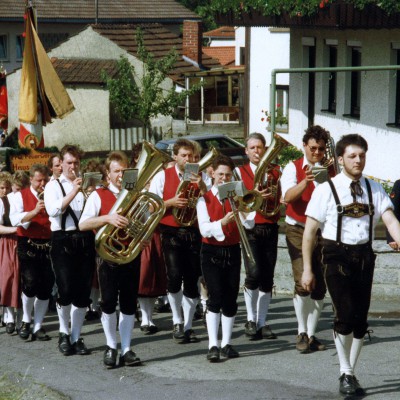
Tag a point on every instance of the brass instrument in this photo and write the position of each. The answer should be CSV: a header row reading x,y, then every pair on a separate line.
x,y
330,160
234,191
263,179
187,216
143,210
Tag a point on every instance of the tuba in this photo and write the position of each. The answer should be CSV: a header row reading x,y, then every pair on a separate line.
x,y
187,216
143,210
265,178
330,160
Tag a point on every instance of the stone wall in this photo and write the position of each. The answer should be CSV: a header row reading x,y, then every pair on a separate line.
x,y
387,271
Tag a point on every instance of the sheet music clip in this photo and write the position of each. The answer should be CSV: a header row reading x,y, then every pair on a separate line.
x,y
129,178
91,179
231,189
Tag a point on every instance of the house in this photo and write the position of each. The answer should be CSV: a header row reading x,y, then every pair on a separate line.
x,y
59,19
79,61
340,35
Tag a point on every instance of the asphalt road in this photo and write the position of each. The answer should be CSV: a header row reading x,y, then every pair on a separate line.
x,y
266,369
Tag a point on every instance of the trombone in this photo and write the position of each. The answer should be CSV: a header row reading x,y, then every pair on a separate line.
x,y
232,191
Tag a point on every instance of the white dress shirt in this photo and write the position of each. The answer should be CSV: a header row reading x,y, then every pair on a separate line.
x,y
53,198
322,207
214,229
93,204
17,212
1,212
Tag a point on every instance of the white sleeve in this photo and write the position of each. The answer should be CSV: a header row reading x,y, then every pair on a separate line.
x,y
207,228
317,207
288,178
92,207
53,198
17,211
157,184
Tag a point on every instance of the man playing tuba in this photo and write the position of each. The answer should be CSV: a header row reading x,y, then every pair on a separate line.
x,y
118,283
263,240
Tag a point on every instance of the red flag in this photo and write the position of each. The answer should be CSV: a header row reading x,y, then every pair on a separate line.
x,y
3,100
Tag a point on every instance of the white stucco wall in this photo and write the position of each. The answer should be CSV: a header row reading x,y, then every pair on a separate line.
x,y
89,124
376,96
269,50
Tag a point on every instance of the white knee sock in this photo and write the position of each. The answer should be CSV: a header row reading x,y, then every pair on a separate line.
x,y
126,324
40,307
227,327
27,307
64,314
355,351
313,316
8,315
77,318
189,308
251,298
301,308
175,301
343,347
213,320
147,306
264,299
109,322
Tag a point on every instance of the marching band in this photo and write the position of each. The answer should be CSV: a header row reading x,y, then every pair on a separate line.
x,y
205,225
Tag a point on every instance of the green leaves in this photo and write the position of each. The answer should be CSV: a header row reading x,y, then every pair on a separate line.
x,y
144,93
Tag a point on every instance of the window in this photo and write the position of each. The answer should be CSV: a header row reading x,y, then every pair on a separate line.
x,y
394,88
19,47
353,83
332,79
3,47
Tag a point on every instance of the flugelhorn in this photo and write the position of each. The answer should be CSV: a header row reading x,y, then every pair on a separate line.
x,y
187,216
264,179
143,210
233,191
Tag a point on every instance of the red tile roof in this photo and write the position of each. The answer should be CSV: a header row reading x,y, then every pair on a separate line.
x,y
157,40
224,32
108,10
224,54
73,71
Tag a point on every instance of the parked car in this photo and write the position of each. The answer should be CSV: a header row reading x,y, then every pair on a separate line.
x,y
222,143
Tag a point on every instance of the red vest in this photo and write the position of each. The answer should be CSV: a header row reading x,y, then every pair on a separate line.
x,y
248,180
39,227
215,211
297,209
170,186
107,198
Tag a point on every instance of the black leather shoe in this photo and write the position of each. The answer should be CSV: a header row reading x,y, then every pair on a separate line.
x,y
40,335
110,357
315,344
213,354
178,334
10,328
80,348
359,390
25,330
267,333
250,329
229,352
129,359
64,345
190,337
149,329
347,384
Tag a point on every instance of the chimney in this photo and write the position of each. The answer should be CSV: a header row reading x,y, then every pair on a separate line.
x,y
192,40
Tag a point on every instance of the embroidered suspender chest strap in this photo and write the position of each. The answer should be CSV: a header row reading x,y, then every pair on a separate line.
x,y
354,210
68,211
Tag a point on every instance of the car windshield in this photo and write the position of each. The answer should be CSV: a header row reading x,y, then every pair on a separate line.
x,y
217,143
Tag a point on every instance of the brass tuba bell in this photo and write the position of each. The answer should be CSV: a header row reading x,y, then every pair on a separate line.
x,y
143,210
187,216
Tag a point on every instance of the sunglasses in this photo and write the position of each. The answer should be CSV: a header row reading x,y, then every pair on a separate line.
x,y
313,149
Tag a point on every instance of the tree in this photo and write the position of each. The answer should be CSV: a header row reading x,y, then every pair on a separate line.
x,y
142,96
295,7
204,10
